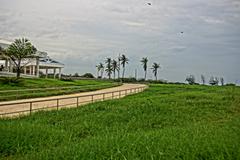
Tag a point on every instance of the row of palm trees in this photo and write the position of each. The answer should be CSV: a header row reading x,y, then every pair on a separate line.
x,y
112,66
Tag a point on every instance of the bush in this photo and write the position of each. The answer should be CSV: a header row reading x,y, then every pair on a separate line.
x,y
190,79
214,81
230,84
157,82
88,75
67,79
12,81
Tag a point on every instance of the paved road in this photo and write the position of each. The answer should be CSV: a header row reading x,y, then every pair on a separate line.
x,y
68,101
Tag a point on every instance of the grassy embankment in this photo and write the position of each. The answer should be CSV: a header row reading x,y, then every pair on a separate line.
x,y
41,85
164,122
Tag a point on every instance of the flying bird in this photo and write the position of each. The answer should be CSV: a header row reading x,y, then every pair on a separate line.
x,y
182,32
149,4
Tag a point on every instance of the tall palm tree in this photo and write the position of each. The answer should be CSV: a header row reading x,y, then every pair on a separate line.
x,y
100,68
124,61
119,66
155,68
115,67
144,63
108,67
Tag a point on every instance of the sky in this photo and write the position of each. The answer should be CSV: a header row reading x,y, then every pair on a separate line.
x,y
184,36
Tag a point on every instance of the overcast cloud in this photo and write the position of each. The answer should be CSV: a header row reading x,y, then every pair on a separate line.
x,y
83,33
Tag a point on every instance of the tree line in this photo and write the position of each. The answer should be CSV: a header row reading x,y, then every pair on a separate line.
x,y
112,66
212,81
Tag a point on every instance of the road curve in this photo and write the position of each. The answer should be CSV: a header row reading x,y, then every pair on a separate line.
x,y
65,101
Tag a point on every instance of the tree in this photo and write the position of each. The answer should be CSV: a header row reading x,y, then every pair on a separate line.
x,y
114,67
144,63
203,79
155,68
222,81
108,67
213,81
190,79
119,65
124,61
100,68
19,51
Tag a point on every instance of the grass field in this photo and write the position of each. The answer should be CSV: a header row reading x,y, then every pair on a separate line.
x,y
164,122
38,87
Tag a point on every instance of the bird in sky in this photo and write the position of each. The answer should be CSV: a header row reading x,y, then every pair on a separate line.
x,y
149,3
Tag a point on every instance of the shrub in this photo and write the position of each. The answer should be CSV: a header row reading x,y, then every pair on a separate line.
x,y
230,84
214,81
88,75
190,79
12,81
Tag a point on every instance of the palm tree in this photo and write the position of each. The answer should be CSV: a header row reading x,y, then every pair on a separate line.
x,y
108,67
114,67
19,50
144,63
99,68
155,68
119,65
124,61
102,69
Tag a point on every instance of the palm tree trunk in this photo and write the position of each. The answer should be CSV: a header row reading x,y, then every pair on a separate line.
x,y
18,69
114,73
123,72
101,74
145,75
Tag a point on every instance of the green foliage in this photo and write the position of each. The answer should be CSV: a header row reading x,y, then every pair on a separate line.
x,y
19,50
164,122
155,68
214,81
191,79
11,81
126,80
88,75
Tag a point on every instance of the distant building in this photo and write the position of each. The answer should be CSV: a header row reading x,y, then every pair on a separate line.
x,y
31,66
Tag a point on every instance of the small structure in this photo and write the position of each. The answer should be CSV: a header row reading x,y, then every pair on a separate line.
x,y
31,66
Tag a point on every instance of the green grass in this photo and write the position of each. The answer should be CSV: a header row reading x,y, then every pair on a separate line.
x,y
164,122
82,86
28,83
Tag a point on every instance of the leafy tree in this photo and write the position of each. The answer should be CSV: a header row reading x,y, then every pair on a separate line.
x,y
213,81
222,81
190,79
76,75
88,75
203,79
19,51
115,67
124,61
155,68
109,67
144,63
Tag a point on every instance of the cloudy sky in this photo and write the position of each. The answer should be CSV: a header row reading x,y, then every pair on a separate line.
x,y
83,33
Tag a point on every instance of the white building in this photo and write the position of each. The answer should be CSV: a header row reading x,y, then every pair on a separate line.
x,y
31,66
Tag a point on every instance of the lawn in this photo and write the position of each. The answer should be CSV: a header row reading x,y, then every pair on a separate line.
x,y
164,122
31,88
